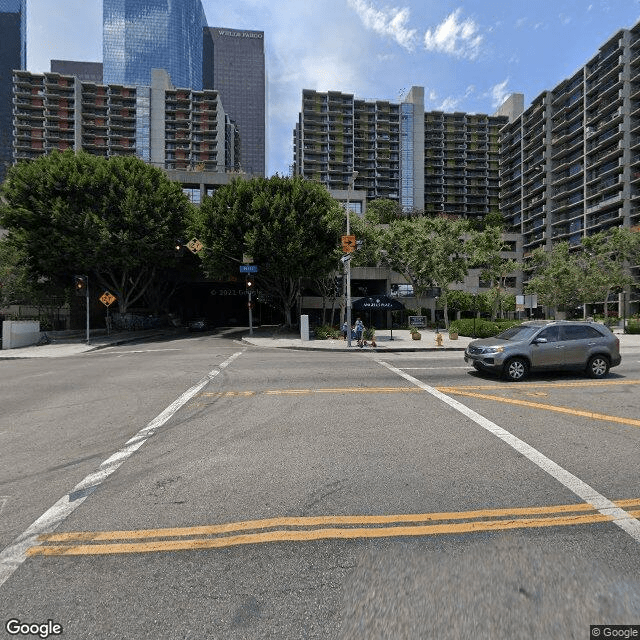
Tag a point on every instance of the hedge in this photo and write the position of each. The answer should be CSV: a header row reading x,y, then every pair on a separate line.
x,y
633,326
483,328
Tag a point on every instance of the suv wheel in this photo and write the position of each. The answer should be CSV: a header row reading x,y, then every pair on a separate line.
x,y
598,367
516,369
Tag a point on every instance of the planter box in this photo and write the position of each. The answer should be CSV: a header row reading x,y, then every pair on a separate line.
x,y
416,336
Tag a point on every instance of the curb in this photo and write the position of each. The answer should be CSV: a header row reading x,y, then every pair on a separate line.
x,y
355,349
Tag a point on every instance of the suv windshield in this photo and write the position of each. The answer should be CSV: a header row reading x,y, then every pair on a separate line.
x,y
521,332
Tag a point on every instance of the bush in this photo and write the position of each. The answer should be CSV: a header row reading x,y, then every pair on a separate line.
x,y
633,327
325,332
484,328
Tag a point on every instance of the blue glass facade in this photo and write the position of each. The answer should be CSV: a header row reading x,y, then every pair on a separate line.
x,y
13,55
140,35
406,160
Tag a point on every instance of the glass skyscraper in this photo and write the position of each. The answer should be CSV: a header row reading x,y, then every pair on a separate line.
x,y
13,55
140,35
234,66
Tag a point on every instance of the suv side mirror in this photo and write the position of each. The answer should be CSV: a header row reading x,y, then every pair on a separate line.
x,y
540,341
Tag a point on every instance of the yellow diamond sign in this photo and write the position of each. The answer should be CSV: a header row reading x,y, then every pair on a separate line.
x,y
195,245
107,298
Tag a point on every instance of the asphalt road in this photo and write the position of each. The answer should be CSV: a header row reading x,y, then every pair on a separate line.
x,y
297,494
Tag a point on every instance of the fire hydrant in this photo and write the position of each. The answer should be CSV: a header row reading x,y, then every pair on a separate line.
x,y
439,339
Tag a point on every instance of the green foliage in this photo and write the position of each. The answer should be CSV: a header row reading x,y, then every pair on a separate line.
x,y
116,219
428,252
369,333
459,300
483,328
382,211
566,279
633,326
326,332
290,226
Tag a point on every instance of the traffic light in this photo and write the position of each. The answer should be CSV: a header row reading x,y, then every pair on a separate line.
x,y
80,285
339,285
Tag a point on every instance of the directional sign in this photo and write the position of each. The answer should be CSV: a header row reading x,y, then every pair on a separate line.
x,y
107,299
248,268
195,245
348,244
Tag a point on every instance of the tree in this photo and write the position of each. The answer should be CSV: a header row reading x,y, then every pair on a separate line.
x,y
603,259
116,219
290,227
382,211
487,248
428,252
557,277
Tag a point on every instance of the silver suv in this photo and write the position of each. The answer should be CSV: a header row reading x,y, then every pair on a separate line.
x,y
545,345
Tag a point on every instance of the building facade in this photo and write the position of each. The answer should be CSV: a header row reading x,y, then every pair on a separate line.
x,y
234,65
570,163
141,35
176,129
436,162
13,55
86,71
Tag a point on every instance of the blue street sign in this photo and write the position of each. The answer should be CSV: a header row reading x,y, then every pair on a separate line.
x,y
248,268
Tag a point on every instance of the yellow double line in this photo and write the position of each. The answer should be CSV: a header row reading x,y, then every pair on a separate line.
x,y
319,528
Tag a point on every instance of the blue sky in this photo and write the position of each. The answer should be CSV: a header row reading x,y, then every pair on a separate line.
x,y
468,54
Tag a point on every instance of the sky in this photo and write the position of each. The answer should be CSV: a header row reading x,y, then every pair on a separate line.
x,y
468,54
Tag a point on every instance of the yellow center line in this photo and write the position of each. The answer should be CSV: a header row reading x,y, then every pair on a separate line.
x,y
509,386
547,407
483,387
315,534
332,527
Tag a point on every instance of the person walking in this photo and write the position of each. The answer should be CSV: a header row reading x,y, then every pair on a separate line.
x,y
345,328
359,331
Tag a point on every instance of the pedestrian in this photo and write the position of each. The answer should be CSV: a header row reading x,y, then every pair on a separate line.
x,y
359,331
345,328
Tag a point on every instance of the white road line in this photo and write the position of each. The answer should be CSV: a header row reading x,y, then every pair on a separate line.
x,y
428,368
15,554
111,353
605,506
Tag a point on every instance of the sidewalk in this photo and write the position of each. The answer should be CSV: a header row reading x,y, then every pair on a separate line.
x,y
71,343
401,340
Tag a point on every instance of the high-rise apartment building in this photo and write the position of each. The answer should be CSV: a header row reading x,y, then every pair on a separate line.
x,y
183,129
439,162
13,55
234,65
570,163
337,134
141,35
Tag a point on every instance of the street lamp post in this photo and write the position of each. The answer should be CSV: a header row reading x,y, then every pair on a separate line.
x,y
347,263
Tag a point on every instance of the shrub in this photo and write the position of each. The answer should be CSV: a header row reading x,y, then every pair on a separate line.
x,y
325,332
633,327
484,328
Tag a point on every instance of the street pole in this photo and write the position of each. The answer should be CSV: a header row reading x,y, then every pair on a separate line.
x,y
347,263
250,315
87,301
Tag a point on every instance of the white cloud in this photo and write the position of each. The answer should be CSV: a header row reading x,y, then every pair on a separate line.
x,y
391,22
499,93
449,104
455,37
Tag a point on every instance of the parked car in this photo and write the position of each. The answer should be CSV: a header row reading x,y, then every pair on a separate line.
x,y
547,345
198,324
